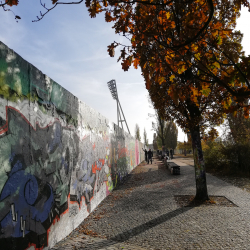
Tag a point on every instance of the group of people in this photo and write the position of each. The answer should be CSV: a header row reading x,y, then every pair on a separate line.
x,y
148,155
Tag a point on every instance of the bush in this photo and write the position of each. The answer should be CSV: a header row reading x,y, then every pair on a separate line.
x,y
227,158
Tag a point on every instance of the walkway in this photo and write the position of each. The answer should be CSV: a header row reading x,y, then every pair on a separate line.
x,y
142,214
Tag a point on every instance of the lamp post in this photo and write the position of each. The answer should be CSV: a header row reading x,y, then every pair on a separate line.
x,y
114,93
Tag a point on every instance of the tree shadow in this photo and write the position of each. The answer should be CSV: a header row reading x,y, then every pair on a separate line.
x,y
126,235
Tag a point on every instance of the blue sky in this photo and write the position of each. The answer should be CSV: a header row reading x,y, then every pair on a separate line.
x,y
71,48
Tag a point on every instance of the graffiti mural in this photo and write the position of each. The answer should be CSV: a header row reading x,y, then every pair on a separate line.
x,y
59,158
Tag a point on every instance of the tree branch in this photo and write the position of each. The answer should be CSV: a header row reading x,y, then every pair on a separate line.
x,y
49,9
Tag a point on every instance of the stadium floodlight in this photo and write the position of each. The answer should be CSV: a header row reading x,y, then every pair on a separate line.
x,y
112,88
114,93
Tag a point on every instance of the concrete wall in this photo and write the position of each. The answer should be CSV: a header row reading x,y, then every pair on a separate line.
x,y
59,158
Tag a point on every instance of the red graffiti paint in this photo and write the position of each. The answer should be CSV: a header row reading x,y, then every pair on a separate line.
x,y
34,245
94,168
102,161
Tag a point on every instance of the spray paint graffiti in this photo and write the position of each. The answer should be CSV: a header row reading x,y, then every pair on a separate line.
x,y
59,158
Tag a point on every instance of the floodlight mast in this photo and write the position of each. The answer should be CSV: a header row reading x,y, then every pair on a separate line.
x,y
114,93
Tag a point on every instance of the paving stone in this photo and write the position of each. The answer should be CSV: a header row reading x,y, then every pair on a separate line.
x,y
147,216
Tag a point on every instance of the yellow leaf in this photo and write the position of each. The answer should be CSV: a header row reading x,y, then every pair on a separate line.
x,y
194,47
171,78
205,90
217,65
197,56
182,69
161,80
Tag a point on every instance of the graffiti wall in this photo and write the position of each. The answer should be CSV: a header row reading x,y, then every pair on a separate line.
x,y
59,158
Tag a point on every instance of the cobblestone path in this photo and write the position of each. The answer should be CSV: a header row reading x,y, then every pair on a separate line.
x,y
142,214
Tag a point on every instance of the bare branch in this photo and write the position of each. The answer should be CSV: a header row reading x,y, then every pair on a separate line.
x,y
49,9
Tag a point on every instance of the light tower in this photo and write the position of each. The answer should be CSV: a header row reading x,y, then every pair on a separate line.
x,y
114,93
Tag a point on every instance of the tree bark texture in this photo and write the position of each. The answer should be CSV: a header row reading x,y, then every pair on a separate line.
x,y
199,164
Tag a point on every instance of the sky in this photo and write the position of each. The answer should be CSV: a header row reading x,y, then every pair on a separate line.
x,y
71,48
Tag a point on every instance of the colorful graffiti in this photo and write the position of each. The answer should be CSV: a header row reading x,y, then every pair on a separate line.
x,y
59,158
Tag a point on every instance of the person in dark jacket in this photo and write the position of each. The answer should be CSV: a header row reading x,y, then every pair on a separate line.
x,y
146,154
150,156
171,153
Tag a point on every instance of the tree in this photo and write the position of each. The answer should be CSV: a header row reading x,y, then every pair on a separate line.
x,y
184,146
166,133
145,138
159,128
171,134
137,132
155,145
236,135
213,57
195,88
192,113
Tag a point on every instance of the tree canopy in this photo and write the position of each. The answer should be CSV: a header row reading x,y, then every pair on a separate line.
x,y
137,132
145,137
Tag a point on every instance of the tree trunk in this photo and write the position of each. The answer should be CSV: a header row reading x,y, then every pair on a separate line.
x,y
199,164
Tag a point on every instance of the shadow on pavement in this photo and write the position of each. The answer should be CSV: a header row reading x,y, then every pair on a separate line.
x,y
124,236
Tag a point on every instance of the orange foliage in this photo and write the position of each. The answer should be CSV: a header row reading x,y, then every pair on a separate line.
x,y
11,2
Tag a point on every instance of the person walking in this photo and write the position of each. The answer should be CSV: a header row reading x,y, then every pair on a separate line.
x,y
171,153
146,154
150,156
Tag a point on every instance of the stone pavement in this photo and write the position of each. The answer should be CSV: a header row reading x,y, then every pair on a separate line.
x,y
142,214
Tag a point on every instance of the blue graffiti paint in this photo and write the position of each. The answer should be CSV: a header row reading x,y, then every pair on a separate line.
x,y
22,190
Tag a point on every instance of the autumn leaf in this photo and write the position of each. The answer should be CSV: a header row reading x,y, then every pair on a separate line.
x,y
108,17
11,2
217,65
246,112
136,62
54,1
105,3
172,78
125,64
161,80
205,90
182,69
111,50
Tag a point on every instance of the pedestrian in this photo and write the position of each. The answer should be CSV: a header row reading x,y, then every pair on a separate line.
x,y
150,155
171,153
146,154
167,153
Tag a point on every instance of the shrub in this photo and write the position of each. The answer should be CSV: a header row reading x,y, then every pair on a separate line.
x,y
227,157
